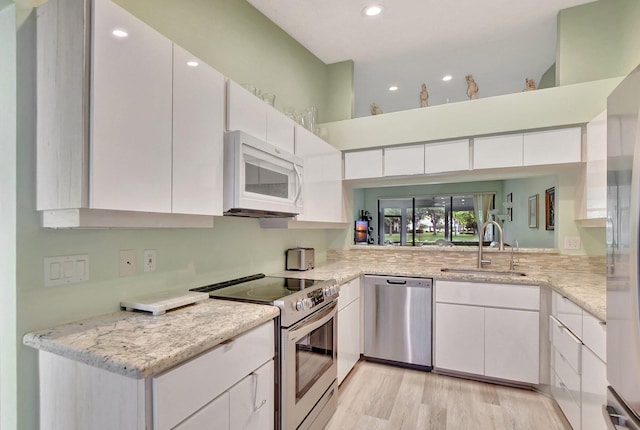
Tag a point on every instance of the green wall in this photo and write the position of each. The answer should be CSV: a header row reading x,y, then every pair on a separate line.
x,y
8,384
340,97
185,257
236,39
597,40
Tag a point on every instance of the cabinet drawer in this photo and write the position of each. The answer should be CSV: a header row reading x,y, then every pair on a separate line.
x,y
348,293
567,312
594,335
214,416
566,343
491,295
183,390
570,406
566,373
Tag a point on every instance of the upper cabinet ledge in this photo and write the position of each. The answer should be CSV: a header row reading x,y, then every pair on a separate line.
x,y
548,108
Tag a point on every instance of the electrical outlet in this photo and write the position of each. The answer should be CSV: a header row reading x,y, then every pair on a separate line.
x,y
572,242
149,257
128,265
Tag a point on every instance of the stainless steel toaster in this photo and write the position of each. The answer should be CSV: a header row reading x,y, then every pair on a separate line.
x,y
300,258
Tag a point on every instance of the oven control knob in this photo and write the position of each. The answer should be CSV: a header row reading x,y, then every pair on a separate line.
x,y
327,291
300,305
308,303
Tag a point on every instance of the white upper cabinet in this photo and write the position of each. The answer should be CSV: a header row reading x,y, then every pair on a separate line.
x,y
322,178
553,147
404,160
246,112
130,155
497,151
139,140
363,164
280,129
595,193
450,156
198,138
250,114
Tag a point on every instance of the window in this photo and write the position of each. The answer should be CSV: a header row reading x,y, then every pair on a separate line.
x,y
431,220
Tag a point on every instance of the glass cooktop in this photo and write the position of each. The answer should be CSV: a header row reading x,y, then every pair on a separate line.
x,y
258,288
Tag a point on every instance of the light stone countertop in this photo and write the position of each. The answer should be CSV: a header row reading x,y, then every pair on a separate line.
x,y
138,345
585,289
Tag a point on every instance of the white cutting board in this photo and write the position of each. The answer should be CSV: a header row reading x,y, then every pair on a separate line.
x,y
160,303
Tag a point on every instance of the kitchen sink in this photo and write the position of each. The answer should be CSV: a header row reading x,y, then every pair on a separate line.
x,y
483,272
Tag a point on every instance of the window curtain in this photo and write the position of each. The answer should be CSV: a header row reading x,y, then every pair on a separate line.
x,y
481,206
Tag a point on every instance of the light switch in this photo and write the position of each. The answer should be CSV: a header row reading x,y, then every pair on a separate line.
x,y
67,269
54,270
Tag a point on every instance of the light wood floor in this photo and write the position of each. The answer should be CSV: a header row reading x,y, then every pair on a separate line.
x,y
380,397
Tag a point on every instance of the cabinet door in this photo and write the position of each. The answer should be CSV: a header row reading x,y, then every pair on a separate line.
x,y
594,390
280,129
404,160
459,338
348,338
363,164
512,344
446,156
198,133
322,178
246,112
252,401
213,416
497,151
553,147
596,169
130,156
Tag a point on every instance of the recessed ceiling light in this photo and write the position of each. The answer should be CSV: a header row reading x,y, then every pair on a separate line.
x,y
447,78
393,88
192,63
372,10
119,33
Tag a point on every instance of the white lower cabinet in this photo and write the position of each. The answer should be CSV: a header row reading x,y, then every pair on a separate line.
x,y
512,344
459,338
578,364
473,337
349,327
228,387
214,416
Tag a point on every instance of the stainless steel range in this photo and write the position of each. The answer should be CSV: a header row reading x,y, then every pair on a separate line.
x,y
307,342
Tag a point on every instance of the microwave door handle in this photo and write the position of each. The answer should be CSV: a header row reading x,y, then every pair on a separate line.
x,y
307,327
298,182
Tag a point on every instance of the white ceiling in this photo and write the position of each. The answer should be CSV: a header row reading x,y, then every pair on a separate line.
x,y
500,42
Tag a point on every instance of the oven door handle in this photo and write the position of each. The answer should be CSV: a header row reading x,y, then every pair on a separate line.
x,y
303,328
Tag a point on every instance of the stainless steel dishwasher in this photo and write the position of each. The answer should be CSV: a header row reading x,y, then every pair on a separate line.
x,y
397,320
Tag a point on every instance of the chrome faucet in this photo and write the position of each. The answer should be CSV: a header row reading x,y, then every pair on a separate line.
x,y
513,263
481,236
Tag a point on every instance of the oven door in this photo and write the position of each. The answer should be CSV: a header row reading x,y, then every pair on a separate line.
x,y
309,364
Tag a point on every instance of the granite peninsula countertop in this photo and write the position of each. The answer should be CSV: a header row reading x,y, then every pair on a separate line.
x,y
587,290
138,345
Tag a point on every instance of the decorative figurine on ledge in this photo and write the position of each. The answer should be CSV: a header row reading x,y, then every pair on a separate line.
x,y
472,87
424,96
530,85
375,109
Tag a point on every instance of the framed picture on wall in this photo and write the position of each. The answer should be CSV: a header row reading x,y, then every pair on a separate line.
x,y
533,211
550,208
510,207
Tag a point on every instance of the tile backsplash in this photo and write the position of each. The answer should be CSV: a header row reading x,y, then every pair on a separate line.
x,y
528,259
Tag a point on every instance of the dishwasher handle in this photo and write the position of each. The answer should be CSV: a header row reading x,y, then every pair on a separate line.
x,y
396,282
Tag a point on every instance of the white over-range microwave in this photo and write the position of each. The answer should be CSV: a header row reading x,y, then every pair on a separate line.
x,y
260,179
